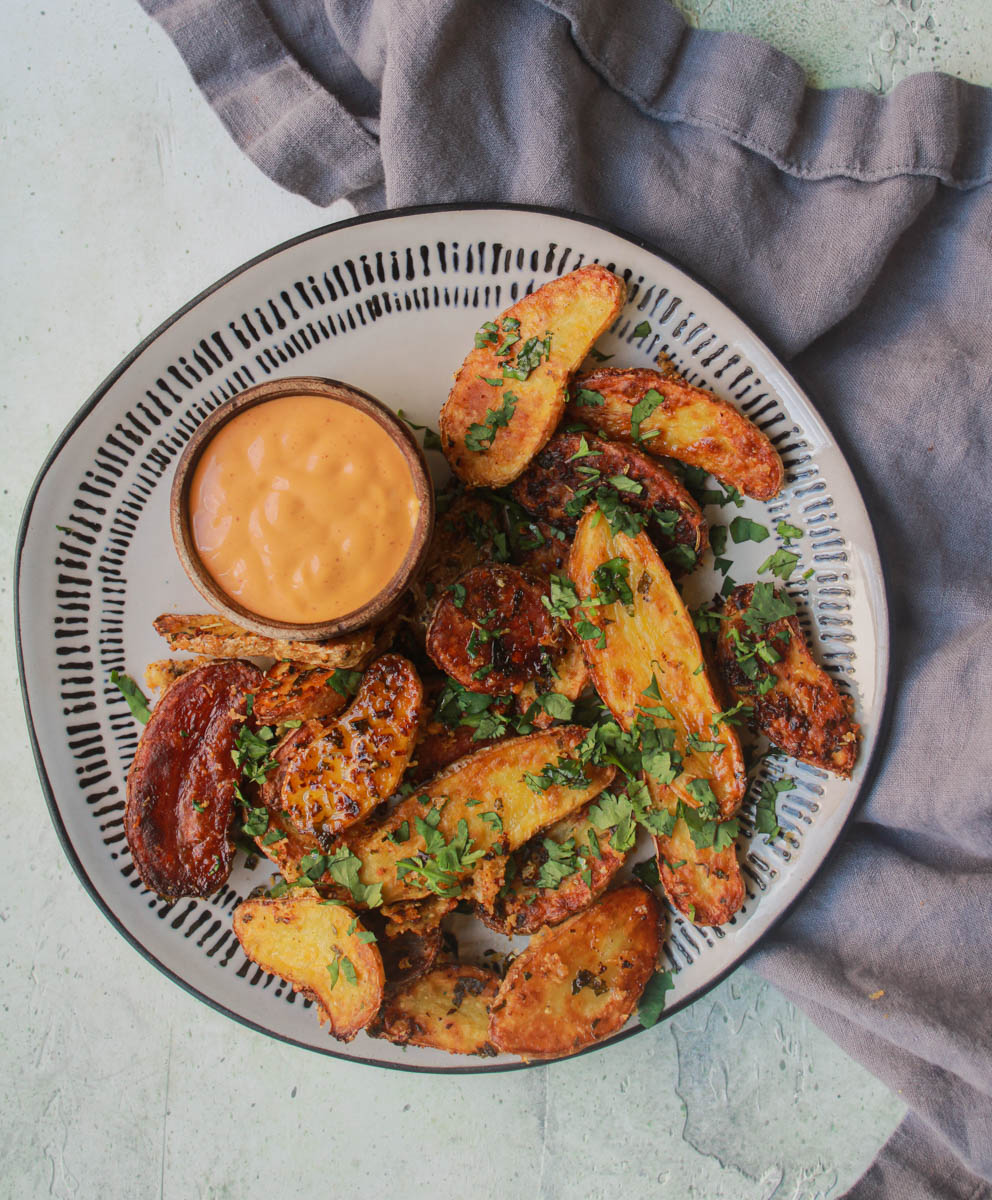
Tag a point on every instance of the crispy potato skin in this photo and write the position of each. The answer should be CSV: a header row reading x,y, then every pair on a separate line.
x,y
211,634
804,714
550,557
657,638
498,599
692,425
463,538
493,778
704,884
359,761
544,1011
575,309
406,953
555,475
184,756
296,937
525,906
446,1009
439,746
287,852
295,692
163,673
569,678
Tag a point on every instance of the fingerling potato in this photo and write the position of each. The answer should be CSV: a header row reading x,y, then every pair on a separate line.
x,y
296,692
446,1009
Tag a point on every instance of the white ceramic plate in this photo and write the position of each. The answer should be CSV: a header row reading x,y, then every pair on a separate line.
x,y
362,301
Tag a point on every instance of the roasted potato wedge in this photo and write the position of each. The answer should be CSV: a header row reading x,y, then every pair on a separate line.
x,y
704,884
406,953
523,905
211,634
295,692
180,788
577,984
163,673
464,536
511,390
573,467
569,677
446,1009
439,746
804,713
688,423
493,634
359,761
650,645
544,552
489,792
282,842
320,948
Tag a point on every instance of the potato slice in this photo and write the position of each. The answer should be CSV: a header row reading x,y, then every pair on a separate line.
x,y
491,430
163,673
295,692
569,677
319,947
546,551
282,842
493,634
487,791
804,713
651,645
180,787
574,466
446,1009
360,759
211,634
524,905
688,423
407,953
704,884
577,984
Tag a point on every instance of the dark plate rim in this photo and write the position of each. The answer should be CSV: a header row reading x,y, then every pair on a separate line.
x,y
871,766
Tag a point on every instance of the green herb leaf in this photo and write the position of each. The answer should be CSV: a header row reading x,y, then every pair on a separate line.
x,y
256,821
137,702
647,872
766,607
643,409
432,440
345,683
585,398
782,563
480,437
652,1002
742,529
642,330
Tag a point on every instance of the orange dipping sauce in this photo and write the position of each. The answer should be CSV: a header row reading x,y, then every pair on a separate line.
x,y
302,508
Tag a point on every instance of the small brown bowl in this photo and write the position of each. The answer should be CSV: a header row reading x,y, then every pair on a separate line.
x,y
375,609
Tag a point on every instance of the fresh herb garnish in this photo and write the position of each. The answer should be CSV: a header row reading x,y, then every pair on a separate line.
x,y
782,563
345,683
642,330
765,820
137,702
642,410
586,398
480,436
742,529
432,440
652,1002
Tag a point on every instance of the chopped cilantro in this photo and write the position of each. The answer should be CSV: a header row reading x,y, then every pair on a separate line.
x,y
566,772
432,440
137,702
480,437
782,563
585,398
642,330
345,683
642,410
764,814
766,606
742,529
652,1002
647,872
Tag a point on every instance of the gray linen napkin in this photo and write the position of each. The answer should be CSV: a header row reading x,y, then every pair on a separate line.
x,y
855,233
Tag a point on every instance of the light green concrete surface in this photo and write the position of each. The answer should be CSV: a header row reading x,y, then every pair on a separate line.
x,y
122,197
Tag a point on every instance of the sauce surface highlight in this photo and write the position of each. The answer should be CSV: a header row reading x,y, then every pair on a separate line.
x,y
302,508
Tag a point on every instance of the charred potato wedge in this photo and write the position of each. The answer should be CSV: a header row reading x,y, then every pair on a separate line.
x,y
439,746
282,842
359,761
688,423
447,1009
163,673
523,905
652,640
569,677
487,791
573,466
211,634
406,953
578,984
511,390
295,692
704,884
804,713
320,948
180,788
544,551
493,634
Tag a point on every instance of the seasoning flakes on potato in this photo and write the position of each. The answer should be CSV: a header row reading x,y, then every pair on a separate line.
x,y
578,984
667,416
181,784
491,632
446,1009
358,761
297,692
321,948
511,390
209,633
766,663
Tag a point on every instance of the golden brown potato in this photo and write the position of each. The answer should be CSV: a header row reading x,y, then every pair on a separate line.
x,y
319,947
211,634
803,713
295,692
688,423
577,984
181,784
492,633
569,677
482,805
447,1009
511,390
648,646
573,466
359,761
163,673
704,884
282,842
582,863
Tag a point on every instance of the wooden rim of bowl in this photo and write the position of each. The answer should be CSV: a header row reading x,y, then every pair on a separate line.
x,y
373,610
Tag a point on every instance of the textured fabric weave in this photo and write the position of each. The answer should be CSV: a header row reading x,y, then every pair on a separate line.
x,y
855,234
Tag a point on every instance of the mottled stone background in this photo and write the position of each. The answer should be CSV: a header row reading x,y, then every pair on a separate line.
x,y
122,197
